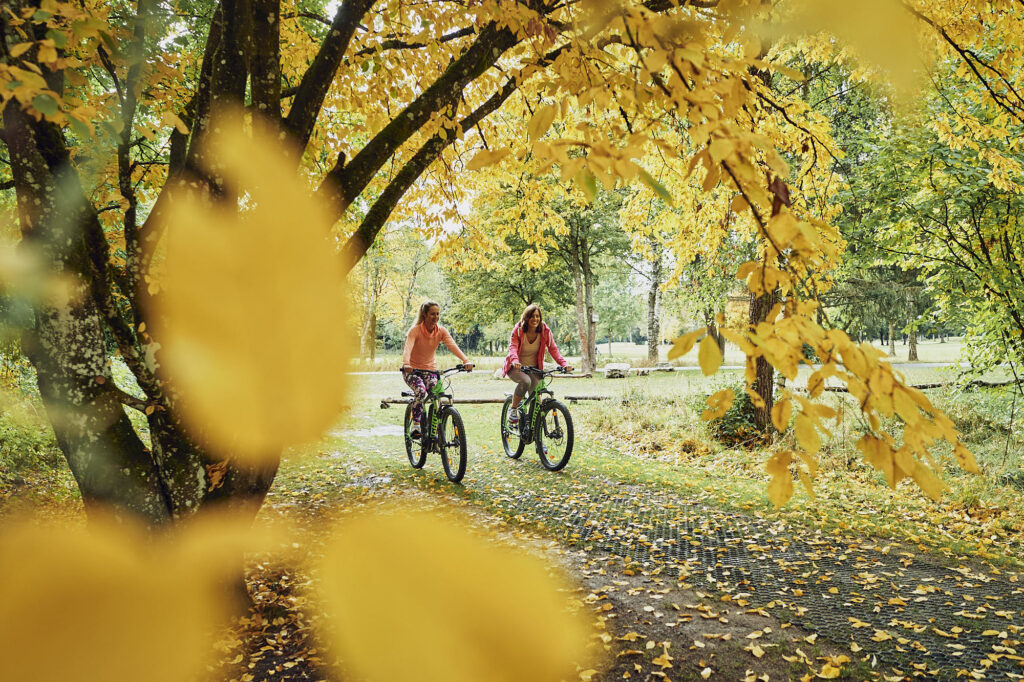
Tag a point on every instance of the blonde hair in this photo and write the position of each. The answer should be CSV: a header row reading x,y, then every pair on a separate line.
x,y
424,309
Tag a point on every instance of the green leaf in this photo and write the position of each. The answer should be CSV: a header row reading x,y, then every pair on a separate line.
x,y
658,188
45,105
588,183
13,85
59,38
78,128
41,15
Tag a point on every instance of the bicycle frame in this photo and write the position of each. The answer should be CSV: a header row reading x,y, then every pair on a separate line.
x,y
534,401
433,401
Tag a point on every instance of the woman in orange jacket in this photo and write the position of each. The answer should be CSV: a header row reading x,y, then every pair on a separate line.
x,y
419,367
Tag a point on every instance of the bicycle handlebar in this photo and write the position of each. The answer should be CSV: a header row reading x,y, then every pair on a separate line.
x,y
534,370
445,372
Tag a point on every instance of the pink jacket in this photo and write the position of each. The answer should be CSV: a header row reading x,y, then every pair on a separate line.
x,y
547,343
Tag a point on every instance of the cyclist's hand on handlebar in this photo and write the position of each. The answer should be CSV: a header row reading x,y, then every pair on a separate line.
x,y
468,366
566,368
517,365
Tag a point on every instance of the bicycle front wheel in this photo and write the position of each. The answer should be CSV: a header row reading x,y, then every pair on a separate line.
x,y
451,440
554,435
510,440
413,450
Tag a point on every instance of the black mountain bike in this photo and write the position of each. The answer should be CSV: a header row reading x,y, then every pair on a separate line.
x,y
442,430
545,421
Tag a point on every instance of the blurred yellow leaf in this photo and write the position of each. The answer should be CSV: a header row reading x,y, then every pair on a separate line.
x,y
250,314
709,355
462,608
782,410
881,32
806,434
683,344
112,603
718,404
780,487
486,157
541,121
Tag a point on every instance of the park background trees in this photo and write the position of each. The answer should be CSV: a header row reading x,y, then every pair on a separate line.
x,y
415,116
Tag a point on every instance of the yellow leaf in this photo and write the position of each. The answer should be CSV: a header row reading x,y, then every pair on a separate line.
x,y
709,355
683,344
965,458
780,487
486,157
20,49
926,479
806,434
541,121
718,404
170,118
250,317
111,602
474,593
829,672
782,410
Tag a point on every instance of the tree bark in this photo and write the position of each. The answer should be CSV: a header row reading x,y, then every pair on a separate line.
x,y
588,295
912,344
892,339
586,359
763,383
654,311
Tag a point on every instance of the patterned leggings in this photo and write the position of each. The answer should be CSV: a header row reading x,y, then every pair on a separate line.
x,y
420,381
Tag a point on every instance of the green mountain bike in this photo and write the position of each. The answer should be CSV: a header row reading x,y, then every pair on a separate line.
x,y
443,431
545,422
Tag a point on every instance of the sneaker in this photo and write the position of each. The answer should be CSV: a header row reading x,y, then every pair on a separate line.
x,y
415,433
513,417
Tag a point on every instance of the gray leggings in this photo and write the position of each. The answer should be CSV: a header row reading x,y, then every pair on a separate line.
x,y
524,382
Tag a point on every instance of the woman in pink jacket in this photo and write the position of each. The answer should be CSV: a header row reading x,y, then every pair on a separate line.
x,y
419,368
530,340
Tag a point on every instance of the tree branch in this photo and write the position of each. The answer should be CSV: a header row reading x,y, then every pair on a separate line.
x,y
396,44
344,183
378,214
318,77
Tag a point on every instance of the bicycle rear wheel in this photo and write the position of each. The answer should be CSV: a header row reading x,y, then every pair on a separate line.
x,y
413,449
451,439
510,440
554,435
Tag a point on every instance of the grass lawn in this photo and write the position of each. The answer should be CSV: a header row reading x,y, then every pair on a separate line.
x,y
931,351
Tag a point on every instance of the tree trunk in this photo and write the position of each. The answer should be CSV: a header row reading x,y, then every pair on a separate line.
x,y
892,339
912,344
709,322
373,336
763,383
586,357
653,311
588,295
